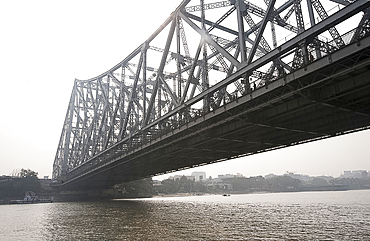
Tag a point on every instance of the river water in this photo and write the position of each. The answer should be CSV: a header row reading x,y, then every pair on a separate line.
x,y
273,216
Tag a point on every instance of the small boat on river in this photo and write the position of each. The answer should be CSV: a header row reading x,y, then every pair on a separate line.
x,y
31,197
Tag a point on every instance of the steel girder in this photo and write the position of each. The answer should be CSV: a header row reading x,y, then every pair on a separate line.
x,y
164,85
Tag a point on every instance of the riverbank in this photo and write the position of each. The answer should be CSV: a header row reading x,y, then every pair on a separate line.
x,y
303,189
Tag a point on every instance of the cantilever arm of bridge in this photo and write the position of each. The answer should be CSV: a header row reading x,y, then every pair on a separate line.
x,y
214,82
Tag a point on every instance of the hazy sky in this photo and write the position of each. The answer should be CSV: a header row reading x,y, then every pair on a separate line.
x,y
45,45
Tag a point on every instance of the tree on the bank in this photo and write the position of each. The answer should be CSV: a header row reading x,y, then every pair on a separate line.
x,y
247,184
139,188
283,183
317,181
185,185
181,185
168,186
27,173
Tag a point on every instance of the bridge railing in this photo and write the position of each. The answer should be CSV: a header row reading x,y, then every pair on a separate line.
x,y
326,47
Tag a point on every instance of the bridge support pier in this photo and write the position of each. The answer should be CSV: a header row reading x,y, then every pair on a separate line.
x,y
90,195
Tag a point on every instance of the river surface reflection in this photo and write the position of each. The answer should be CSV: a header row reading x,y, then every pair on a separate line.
x,y
275,216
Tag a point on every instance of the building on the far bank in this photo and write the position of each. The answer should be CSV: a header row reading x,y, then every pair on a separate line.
x,y
199,176
226,176
303,178
355,174
157,183
271,175
178,177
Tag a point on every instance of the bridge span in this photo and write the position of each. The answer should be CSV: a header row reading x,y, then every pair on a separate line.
x,y
219,86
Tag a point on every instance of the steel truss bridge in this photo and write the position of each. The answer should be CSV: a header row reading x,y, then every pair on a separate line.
x,y
220,80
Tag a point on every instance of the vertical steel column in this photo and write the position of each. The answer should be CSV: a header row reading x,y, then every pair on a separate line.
x,y
144,51
241,7
131,98
160,70
178,58
205,84
310,12
312,22
159,100
266,18
363,24
301,52
122,100
69,130
272,25
299,16
191,74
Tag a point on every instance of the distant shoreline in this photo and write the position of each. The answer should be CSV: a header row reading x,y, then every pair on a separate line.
x,y
257,192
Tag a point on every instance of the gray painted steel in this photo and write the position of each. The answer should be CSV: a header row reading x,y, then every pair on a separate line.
x,y
146,116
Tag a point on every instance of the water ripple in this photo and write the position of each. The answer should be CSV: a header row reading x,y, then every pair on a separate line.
x,y
283,216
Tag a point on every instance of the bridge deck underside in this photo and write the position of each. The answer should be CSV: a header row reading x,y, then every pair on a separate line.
x,y
328,98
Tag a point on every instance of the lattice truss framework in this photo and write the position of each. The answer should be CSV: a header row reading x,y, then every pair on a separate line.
x,y
193,54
